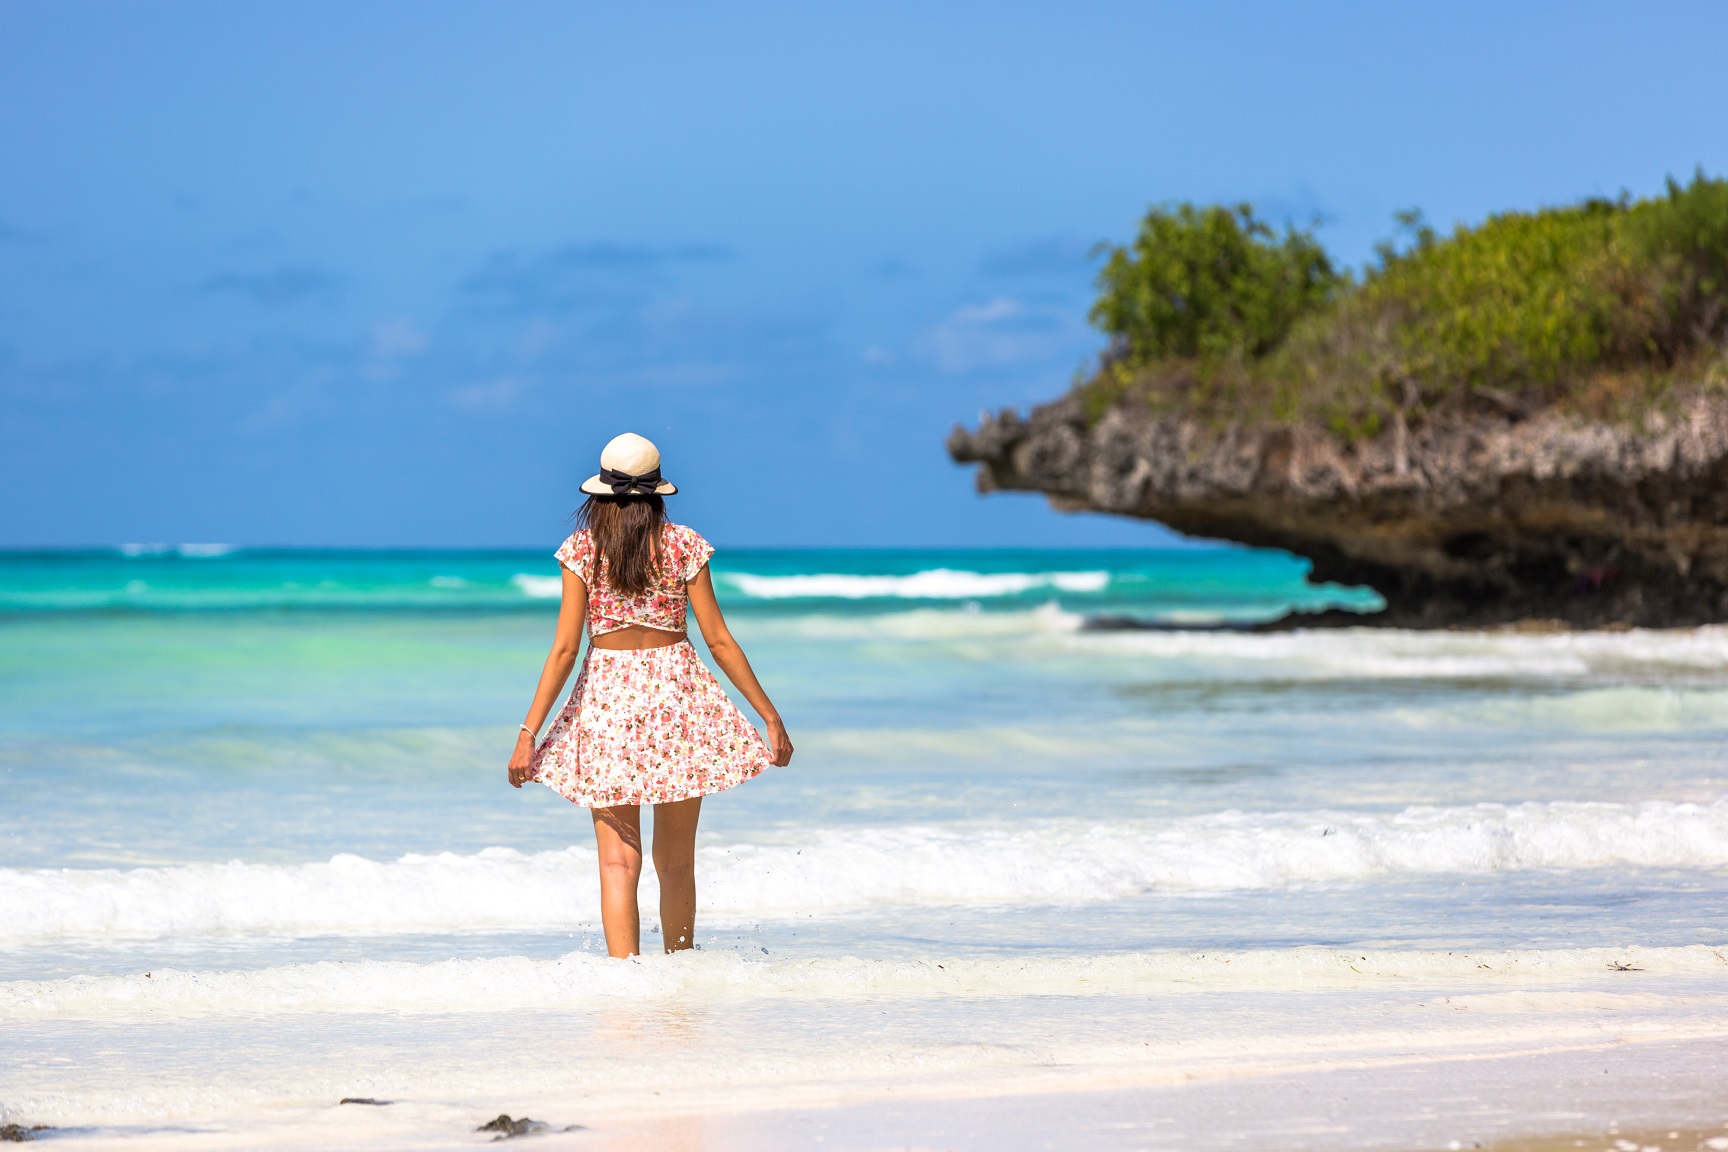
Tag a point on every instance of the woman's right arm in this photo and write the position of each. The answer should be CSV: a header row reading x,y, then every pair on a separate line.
x,y
731,659
566,644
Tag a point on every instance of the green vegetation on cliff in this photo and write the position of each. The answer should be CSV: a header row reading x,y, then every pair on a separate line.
x,y
1603,306
1210,282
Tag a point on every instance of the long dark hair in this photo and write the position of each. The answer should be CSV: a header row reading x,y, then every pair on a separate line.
x,y
626,532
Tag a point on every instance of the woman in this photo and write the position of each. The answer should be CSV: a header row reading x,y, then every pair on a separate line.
x,y
647,723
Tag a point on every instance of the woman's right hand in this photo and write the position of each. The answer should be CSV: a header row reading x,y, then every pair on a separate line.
x,y
779,743
522,760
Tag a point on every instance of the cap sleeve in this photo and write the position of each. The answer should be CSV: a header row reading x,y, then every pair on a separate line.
x,y
696,552
577,554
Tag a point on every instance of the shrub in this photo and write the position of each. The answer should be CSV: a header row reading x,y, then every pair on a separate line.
x,y
1681,240
1208,283
1602,305
1519,300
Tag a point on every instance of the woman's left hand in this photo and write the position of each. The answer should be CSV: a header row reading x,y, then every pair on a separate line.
x,y
779,743
522,760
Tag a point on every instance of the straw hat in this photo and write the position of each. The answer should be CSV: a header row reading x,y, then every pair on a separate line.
x,y
629,466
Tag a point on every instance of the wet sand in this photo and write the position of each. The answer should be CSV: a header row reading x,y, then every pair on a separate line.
x,y
1557,1101
1625,1097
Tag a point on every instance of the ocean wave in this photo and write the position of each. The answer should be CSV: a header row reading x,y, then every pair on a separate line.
x,y
1369,653
1325,654
169,592
852,870
517,983
934,584
539,587
189,551
1372,653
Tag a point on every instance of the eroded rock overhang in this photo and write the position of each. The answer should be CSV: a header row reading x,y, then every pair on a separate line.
x,y
1477,519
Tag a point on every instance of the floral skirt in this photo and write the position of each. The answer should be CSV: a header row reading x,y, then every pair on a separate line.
x,y
647,727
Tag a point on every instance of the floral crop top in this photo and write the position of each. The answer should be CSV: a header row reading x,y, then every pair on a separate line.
x,y
682,555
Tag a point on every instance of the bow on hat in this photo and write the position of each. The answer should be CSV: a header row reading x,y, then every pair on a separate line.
x,y
630,484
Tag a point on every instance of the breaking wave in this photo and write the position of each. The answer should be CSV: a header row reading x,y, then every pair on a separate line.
x,y
539,587
854,870
935,584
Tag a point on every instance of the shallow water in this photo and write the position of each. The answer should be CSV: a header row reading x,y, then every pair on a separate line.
x,y
274,782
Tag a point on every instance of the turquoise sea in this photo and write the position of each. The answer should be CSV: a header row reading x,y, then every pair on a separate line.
x,y
253,805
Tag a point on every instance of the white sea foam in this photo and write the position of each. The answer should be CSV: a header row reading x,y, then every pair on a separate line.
x,y
1319,654
513,983
1392,653
539,587
852,870
190,551
934,584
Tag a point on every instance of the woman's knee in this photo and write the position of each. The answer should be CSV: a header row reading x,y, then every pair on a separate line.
x,y
618,837
620,871
675,835
619,856
673,853
675,873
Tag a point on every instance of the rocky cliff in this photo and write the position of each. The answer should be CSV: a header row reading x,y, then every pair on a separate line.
x,y
1477,519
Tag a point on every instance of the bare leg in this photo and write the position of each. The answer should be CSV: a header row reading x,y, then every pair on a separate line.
x,y
618,835
675,865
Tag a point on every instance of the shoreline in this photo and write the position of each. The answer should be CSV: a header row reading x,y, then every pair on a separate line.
x,y
1509,1102
1357,1048
1521,1101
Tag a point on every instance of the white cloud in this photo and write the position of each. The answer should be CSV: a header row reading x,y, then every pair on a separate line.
x,y
999,332
393,343
395,339
495,395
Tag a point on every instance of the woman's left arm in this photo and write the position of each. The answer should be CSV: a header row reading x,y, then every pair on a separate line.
x,y
733,662
566,644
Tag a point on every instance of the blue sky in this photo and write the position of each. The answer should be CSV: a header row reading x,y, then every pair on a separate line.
x,y
391,273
